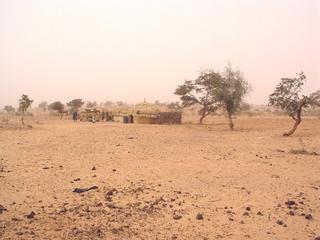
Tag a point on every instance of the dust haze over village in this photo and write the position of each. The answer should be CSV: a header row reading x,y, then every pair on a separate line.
x,y
160,119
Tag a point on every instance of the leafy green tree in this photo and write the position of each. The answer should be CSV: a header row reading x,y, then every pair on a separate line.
x,y
43,106
230,91
200,92
287,96
75,104
58,107
9,109
24,104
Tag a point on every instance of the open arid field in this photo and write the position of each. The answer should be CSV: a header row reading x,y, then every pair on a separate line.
x,y
78,180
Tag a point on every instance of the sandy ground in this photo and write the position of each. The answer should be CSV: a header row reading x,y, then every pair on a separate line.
x,y
160,182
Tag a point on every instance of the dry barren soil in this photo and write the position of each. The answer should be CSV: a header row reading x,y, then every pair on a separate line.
x,y
66,180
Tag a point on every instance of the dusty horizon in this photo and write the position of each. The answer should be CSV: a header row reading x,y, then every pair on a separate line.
x,y
107,50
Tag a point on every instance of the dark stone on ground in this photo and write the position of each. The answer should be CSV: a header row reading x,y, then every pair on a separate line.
x,y
177,217
82,190
309,217
199,216
291,213
280,222
2,209
31,215
290,203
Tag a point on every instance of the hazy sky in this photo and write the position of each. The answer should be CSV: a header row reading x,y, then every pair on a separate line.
x,y
127,50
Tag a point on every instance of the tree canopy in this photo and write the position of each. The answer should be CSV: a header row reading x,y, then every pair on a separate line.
x,y
287,96
200,91
58,107
9,109
230,91
75,104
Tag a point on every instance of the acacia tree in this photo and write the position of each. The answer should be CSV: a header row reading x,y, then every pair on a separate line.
x,y
287,96
58,107
200,92
75,104
43,106
230,91
9,109
24,104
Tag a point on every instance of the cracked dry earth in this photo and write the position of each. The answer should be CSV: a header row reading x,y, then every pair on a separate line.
x,y
65,180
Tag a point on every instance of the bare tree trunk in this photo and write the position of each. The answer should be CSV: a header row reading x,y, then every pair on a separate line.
x,y
296,124
22,121
230,121
203,115
201,119
293,129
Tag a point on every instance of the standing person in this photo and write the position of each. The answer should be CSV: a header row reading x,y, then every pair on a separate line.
x,y
75,116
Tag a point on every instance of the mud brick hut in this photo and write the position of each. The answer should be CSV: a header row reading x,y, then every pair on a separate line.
x,y
160,118
169,118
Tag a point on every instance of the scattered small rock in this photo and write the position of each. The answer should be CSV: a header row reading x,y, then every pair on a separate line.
x,y
2,209
177,217
45,168
199,216
309,217
31,215
93,168
291,213
290,203
259,213
248,208
280,222
110,192
82,190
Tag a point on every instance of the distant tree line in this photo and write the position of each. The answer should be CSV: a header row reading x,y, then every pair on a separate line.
x,y
211,91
